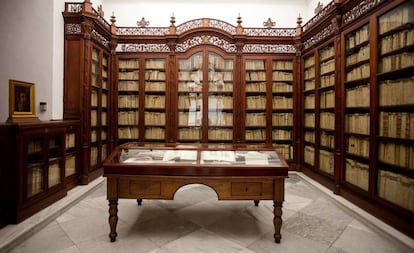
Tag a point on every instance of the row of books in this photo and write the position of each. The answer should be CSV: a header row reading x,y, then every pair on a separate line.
x,y
191,118
309,155
35,146
104,150
326,161
397,154
94,118
309,85
256,87
130,75
328,66
396,92
95,55
94,156
309,136
128,118
359,72
309,73
185,86
220,134
219,102
327,80
128,132
282,65
155,64
191,133
128,85
327,120
94,135
327,140
194,62
95,80
70,165
279,134
94,99
395,62
357,123
397,40
282,87
128,64
310,119
361,55
70,140
255,64
155,133
326,53
219,63
359,37
400,16
327,99
154,118
154,75
196,76
309,102
256,119
357,146
256,76
154,86
285,150
218,118
358,96
54,177
280,102
357,173
128,101
282,119
255,135
396,124
396,188
309,62
282,76
34,179
154,101
256,102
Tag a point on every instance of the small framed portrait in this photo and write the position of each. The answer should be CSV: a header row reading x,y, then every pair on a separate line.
x,y
21,101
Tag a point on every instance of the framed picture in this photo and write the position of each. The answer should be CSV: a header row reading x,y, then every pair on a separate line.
x,y
22,101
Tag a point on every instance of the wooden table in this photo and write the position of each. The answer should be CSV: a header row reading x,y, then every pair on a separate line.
x,y
157,171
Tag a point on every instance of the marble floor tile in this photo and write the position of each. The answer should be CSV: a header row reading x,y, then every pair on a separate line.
x,y
196,221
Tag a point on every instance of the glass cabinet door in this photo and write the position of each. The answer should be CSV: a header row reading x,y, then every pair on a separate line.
x,y
220,98
190,98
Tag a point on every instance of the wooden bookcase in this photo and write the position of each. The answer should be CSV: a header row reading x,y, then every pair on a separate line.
x,y
332,95
40,166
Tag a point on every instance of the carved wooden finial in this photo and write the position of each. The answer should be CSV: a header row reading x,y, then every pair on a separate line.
x,y
318,8
269,23
239,28
113,19
100,10
298,26
143,22
172,24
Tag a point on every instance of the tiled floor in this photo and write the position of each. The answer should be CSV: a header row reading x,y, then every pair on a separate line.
x,y
313,221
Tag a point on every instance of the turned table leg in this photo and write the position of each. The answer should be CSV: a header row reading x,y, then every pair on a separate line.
x,y
277,220
113,218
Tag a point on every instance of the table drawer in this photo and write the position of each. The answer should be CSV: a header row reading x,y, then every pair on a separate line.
x,y
246,189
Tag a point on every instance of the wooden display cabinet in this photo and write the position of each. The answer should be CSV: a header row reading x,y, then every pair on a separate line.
x,y
40,165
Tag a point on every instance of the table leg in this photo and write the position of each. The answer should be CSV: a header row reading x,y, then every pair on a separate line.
x,y
256,202
139,202
277,219
113,218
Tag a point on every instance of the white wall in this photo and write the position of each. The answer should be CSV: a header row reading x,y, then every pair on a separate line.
x,y
32,51
253,13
